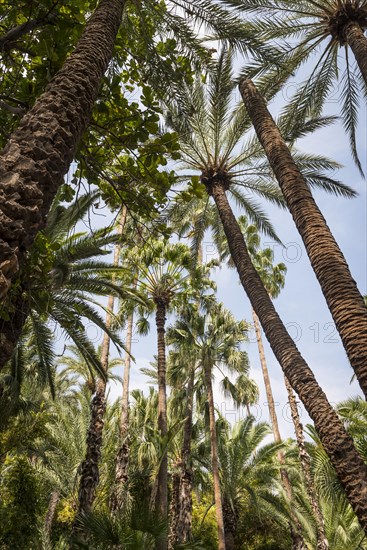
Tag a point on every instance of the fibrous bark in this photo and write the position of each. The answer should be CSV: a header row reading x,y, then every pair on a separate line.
x,y
39,152
349,466
355,38
51,510
339,288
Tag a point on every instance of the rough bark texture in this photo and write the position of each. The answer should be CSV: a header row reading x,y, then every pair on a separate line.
x,y
322,542
215,464
174,508
295,527
89,476
52,504
349,466
185,495
39,152
339,288
230,517
122,458
161,500
357,41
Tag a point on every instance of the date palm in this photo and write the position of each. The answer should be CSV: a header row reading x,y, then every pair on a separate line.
x,y
322,35
343,298
215,136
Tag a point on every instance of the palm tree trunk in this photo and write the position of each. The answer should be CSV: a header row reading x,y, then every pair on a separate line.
x,y
339,288
215,464
357,41
39,152
122,458
174,508
230,517
295,527
11,329
161,501
89,476
349,466
322,542
185,495
50,515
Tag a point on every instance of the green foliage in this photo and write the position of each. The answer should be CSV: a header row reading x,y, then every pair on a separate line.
x,y
20,503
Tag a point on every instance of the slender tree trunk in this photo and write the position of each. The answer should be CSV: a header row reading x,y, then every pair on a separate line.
x,y
339,288
349,466
10,39
161,501
122,458
295,526
50,515
39,152
89,476
355,38
185,495
215,464
322,542
11,329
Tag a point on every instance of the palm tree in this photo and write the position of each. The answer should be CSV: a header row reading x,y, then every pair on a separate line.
x,y
215,339
248,470
218,179
343,298
322,30
163,277
63,275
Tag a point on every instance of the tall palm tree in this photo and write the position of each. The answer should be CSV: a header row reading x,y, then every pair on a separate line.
x,y
217,179
162,276
324,32
343,298
215,338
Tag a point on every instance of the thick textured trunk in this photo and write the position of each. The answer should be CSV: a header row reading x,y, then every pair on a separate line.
x,y
215,464
122,458
174,508
339,288
161,500
322,542
230,517
89,476
39,152
185,496
355,38
295,528
349,466
50,515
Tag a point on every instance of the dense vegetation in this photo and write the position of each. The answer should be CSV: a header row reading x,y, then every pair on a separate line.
x,y
156,113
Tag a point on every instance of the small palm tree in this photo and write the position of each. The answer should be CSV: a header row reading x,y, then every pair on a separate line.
x,y
249,470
